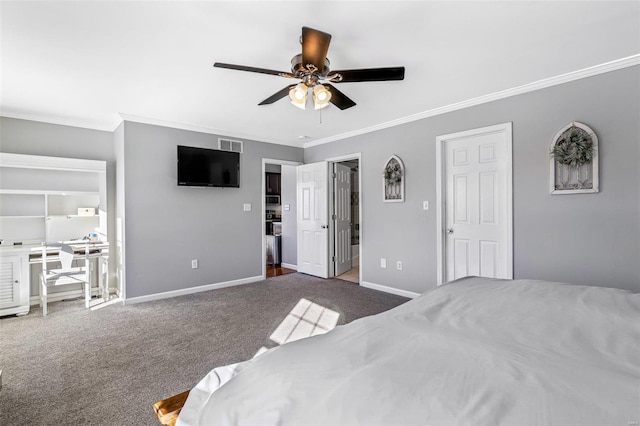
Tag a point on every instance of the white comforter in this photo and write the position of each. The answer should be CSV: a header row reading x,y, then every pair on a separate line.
x,y
476,351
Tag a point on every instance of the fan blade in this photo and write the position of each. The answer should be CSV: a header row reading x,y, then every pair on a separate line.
x,y
368,74
338,98
277,96
315,45
253,69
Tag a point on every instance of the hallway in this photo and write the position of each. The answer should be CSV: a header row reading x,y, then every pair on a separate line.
x,y
352,275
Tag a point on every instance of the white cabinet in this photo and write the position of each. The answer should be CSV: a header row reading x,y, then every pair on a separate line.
x,y
14,285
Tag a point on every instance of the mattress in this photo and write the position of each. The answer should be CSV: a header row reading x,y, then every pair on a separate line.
x,y
475,351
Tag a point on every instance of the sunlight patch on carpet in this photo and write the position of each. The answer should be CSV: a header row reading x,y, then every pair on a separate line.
x,y
102,304
305,319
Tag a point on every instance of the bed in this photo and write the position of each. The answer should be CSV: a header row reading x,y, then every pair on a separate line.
x,y
475,351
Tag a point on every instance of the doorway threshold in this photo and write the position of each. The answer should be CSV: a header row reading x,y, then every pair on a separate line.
x,y
352,275
275,271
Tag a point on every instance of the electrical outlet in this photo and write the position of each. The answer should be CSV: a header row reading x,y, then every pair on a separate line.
x,y
399,265
246,207
383,262
194,264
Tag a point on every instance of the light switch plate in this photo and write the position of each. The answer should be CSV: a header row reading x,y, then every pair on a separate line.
x,y
425,205
246,207
287,207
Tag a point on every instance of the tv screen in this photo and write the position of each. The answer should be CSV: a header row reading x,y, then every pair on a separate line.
x,y
208,167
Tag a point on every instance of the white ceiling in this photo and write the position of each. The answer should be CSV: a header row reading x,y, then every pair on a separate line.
x,y
85,63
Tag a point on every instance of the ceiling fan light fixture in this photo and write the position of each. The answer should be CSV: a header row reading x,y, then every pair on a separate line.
x,y
312,66
321,97
298,95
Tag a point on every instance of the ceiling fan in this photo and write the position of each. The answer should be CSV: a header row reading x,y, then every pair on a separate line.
x,y
312,67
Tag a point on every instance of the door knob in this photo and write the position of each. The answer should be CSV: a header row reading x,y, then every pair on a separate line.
x,y
324,226
449,230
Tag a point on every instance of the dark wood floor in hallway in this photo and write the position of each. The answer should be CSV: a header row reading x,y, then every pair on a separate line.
x,y
275,271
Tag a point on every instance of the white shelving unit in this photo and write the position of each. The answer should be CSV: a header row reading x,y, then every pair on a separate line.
x,y
39,201
46,217
63,221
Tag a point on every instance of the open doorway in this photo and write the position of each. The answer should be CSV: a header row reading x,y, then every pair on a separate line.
x,y
279,245
346,217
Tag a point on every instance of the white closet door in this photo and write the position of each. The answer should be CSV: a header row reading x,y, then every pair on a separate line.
x,y
478,213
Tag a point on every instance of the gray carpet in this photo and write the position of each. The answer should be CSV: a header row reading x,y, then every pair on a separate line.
x,y
110,365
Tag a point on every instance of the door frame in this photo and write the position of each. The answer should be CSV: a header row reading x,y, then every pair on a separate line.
x,y
331,190
263,191
441,191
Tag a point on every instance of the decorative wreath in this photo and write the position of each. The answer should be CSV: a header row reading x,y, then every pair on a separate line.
x,y
574,147
392,173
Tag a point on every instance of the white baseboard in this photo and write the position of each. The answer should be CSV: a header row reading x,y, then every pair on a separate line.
x,y
191,290
396,291
289,266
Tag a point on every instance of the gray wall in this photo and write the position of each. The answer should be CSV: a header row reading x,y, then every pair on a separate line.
x,y
167,226
591,239
588,238
37,138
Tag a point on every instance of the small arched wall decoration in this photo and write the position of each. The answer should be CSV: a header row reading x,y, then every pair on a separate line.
x,y
573,164
393,180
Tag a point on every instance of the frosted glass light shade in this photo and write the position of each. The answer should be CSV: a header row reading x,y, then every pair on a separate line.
x,y
321,97
298,95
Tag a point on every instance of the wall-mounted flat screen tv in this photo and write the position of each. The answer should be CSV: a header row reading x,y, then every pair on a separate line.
x,y
208,167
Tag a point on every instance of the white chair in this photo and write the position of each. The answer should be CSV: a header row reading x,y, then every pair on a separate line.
x,y
67,274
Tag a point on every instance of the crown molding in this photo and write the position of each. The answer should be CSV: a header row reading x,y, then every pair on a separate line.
x,y
24,161
202,129
65,121
122,117
615,65
518,90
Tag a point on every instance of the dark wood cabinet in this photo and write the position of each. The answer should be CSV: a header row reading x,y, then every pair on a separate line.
x,y
272,183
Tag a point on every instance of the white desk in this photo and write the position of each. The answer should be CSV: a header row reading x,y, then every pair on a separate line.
x,y
83,249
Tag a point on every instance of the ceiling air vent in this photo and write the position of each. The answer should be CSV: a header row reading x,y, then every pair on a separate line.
x,y
229,145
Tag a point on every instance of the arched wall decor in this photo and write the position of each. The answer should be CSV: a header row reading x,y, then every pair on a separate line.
x,y
393,180
573,163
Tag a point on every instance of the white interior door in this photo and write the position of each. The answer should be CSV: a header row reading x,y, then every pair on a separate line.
x,y
477,218
342,218
313,248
